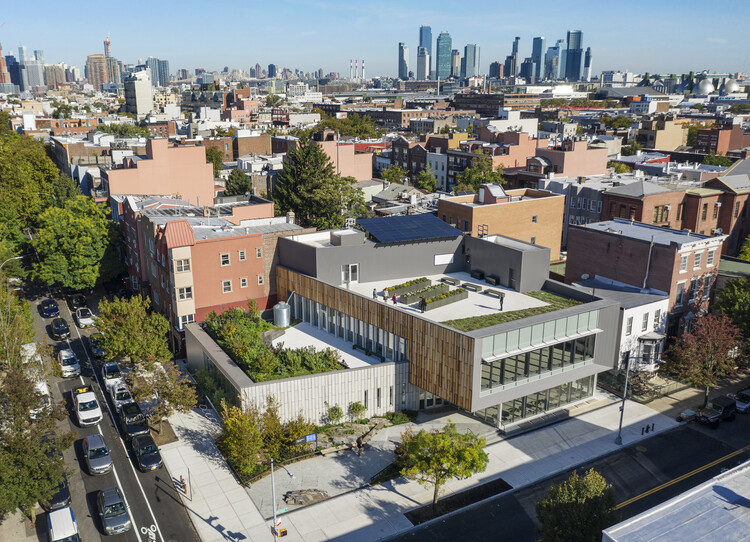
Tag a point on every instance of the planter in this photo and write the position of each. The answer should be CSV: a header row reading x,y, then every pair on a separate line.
x,y
451,281
461,295
418,284
432,291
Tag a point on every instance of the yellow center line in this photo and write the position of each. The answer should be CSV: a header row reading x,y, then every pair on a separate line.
x,y
681,478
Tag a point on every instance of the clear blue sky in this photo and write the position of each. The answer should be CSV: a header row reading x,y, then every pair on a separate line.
x,y
656,36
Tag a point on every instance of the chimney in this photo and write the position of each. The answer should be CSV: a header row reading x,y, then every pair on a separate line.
x,y
581,180
290,217
363,70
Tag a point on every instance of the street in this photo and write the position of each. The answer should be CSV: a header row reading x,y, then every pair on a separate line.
x,y
155,509
643,475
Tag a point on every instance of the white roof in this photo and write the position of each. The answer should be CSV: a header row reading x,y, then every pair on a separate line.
x,y
62,523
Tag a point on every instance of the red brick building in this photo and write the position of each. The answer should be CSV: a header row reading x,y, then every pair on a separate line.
x,y
728,136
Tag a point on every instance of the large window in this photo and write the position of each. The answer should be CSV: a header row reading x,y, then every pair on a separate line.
x,y
181,266
185,293
680,297
697,260
710,258
629,326
540,402
644,325
683,263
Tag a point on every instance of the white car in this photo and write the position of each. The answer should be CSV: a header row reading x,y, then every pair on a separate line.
x,y
87,409
68,362
742,401
84,317
111,375
62,526
120,396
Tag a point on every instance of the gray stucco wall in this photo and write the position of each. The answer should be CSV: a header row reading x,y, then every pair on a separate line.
x,y
297,256
530,267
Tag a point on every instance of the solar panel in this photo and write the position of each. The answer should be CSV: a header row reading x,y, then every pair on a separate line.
x,y
401,229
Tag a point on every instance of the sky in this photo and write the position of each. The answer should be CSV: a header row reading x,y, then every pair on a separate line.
x,y
656,36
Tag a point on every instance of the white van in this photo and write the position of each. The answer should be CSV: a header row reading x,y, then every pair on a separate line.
x,y
62,526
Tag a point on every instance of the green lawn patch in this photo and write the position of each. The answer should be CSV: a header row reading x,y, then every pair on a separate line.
x,y
554,303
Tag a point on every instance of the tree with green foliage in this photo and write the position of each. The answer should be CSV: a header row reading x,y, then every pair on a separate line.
x,y
76,245
713,159
62,111
707,353
480,172
123,129
632,149
131,329
273,100
434,457
167,386
577,510
334,414
63,189
426,181
740,109
356,409
745,250
241,438
308,186
238,184
692,138
215,157
353,125
620,121
734,299
394,174
16,324
619,167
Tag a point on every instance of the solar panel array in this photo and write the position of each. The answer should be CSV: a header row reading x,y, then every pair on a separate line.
x,y
402,229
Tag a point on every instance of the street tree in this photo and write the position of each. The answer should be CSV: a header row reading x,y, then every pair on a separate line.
x,y
214,157
713,159
238,184
745,250
241,438
167,386
76,245
131,329
707,353
16,326
426,181
63,189
308,186
273,100
734,300
434,457
124,129
480,172
632,149
619,167
577,510
394,174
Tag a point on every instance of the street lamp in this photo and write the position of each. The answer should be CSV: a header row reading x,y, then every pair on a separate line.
x,y
9,259
618,440
273,496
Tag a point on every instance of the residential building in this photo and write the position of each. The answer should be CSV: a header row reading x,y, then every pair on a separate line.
x,y
403,61
423,64
443,60
508,374
425,41
571,158
729,135
488,104
96,70
455,63
663,133
679,263
532,216
496,70
344,158
138,94
510,68
554,61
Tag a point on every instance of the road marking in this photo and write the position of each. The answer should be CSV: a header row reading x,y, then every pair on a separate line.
x,y
117,430
681,478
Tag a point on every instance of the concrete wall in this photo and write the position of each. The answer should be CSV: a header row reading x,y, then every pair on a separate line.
x,y
530,268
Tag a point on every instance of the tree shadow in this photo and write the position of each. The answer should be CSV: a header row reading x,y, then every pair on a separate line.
x,y
730,497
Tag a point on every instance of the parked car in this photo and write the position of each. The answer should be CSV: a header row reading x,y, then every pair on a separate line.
x,y
96,454
132,421
120,396
61,498
111,375
45,399
717,410
87,409
49,308
60,329
62,526
113,511
741,401
84,317
76,301
68,362
146,453
96,345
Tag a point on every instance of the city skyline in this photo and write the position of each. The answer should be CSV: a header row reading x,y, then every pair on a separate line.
x,y
718,45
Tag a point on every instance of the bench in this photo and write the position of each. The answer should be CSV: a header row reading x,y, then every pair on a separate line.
x,y
473,287
492,279
339,448
451,281
477,274
493,293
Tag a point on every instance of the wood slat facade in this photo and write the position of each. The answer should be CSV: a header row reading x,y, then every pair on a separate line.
x,y
441,359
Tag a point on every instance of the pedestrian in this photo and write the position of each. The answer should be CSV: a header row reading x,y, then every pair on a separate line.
x,y
394,299
374,293
502,298
360,445
422,304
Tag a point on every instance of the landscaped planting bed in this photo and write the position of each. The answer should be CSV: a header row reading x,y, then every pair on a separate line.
x,y
408,287
447,298
432,291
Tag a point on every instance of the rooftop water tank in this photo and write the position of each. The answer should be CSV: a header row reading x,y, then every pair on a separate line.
x,y
282,314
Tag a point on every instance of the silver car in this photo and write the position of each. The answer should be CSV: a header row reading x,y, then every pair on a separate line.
x,y
112,511
96,453
742,400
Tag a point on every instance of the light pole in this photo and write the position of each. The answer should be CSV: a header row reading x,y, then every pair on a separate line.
x,y
9,259
618,440
273,497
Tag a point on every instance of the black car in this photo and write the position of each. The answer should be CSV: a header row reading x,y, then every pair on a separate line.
x,y
60,329
61,498
146,453
96,345
77,301
49,308
132,421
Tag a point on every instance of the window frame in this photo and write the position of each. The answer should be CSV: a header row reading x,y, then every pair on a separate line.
x,y
243,282
185,293
224,284
261,280
228,259
181,267
241,256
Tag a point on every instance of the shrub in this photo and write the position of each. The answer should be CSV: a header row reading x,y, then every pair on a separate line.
x,y
356,409
334,414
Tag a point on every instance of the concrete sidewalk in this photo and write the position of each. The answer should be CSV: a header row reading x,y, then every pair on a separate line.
x,y
222,510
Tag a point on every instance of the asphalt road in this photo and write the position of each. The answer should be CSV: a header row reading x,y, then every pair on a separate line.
x,y
643,475
155,510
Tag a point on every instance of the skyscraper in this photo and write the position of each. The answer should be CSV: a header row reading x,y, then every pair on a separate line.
x,y
527,70
496,70
153,66
423,64
258,70
587,65
23,56
443,61
271,71
455,63
425,40
574,55
471,60
138,93
107,47
510,66
537,52
39,56
554,61
96,70
403,61
163,72
4,73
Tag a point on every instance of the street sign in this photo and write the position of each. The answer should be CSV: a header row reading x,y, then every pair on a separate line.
x,y
311,438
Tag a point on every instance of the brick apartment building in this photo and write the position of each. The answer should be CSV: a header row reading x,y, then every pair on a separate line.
x,y
240,105
76,126
571,158
663,133
532,216
487,105
728,136
346,160
193,260
681,264
233,147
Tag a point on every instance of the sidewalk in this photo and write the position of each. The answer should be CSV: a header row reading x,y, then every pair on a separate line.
x,y
222,510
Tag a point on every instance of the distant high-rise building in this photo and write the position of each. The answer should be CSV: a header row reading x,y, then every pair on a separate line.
x,y
425,40
455,63
527,70
17,72
153,66
587,65
34,73
443,61
574,55
107,47
510,66
39,56
496,70
537,53
139,98
164,74
470,61
258,70
4,73
554,61
271,70
423,64
96,70
516,43
23,55
54,76
403,61
183,74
